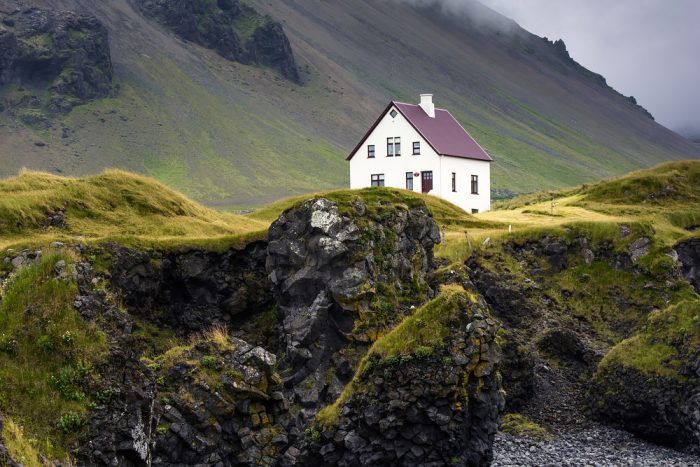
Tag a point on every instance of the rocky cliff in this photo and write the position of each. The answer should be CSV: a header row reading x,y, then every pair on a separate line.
x,y
51,61
237,357
233,28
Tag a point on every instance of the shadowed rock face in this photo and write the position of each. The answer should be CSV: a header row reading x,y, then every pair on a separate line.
x,y
60,52
195,289
231,27
689,256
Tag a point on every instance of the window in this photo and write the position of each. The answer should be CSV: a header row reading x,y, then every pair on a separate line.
x,y
454,181
475,184
390,147
393,113
370,151
397,147
475,211
377,179
416,148
409,181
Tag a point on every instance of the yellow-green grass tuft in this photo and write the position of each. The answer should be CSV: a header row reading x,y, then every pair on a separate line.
x,y
21,449
519,425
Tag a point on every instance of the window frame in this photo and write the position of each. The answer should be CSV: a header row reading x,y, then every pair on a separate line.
x,y
371,151
379,179
390,147
416,148
397,146
475,184
409,178
475,211
454,182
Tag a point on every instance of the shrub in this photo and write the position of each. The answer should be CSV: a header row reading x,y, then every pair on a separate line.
x,y
210,361
70,422
423,351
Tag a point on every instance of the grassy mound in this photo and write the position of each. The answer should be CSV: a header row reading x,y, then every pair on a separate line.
x,y
519,425
47,354
109,205
663,184
667,340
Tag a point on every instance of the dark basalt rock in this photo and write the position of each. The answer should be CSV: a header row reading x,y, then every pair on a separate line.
x,y
440,409
689,256
195,289
61,53
232,28
326,270
663,410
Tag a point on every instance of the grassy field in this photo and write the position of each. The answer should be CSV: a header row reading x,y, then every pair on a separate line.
x,y
120,206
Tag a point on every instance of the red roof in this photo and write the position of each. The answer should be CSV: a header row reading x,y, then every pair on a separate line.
x,y
444,134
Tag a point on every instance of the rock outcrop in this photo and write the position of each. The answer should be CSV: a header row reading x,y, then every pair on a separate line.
x,y
432,405
54,59
341,279
232,28
689,256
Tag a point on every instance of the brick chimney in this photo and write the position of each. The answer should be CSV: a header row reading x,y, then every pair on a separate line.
x,y
426,103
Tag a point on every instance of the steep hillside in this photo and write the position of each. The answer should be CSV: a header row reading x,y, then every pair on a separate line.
x,y
237,135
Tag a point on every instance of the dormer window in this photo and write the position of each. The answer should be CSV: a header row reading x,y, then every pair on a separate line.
x,y
416,148
370,151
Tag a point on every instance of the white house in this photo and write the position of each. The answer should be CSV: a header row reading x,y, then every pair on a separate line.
x,y
423,149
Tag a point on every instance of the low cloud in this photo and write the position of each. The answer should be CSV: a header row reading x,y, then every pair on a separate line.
x,y
644,48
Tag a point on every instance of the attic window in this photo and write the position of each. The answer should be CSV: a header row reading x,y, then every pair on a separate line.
x,y
393,113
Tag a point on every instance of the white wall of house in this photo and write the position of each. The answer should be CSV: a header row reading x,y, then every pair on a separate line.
x,y
395,168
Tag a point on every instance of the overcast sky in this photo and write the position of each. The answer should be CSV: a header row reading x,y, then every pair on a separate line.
x,y
646,48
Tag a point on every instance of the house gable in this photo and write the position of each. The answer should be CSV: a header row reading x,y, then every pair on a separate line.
x,y
387,110
442,132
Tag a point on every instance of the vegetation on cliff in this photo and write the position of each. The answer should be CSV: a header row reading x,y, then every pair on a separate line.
x,y
48,354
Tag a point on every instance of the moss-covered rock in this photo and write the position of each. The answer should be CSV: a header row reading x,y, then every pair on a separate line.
x,y
650,382
426,393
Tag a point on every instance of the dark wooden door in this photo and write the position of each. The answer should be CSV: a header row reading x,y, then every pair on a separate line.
x,y
426,181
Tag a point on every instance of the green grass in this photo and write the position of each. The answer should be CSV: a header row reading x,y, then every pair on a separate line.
x,y
113,205
669,338
47,354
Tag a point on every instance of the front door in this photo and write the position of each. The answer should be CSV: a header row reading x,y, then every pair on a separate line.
x,y
426,181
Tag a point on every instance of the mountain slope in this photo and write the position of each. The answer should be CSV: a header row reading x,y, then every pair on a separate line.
x,y
238,136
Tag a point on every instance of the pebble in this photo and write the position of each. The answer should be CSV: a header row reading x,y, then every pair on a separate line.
x,y
595,445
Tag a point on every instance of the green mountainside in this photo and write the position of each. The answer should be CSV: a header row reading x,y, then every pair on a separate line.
x,y
238,136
